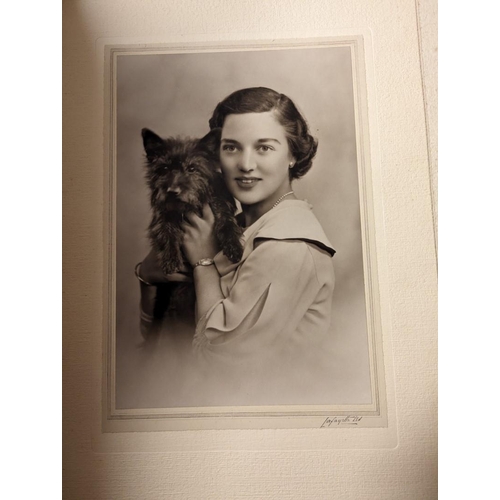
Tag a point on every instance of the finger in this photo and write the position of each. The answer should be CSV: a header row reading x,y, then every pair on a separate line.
x,y
188,228
193,219
188,236
208,215
179,277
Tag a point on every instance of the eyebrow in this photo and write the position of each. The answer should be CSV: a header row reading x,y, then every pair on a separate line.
x,y
269,139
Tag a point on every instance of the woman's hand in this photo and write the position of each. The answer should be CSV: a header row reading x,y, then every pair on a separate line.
x,y
151,271
199,240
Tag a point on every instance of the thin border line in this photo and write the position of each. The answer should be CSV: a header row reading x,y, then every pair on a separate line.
x,y
348,41
426,122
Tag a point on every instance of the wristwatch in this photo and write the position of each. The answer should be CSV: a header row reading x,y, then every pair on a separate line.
x,y
204,262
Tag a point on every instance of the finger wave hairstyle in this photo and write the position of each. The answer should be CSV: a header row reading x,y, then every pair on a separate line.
x,y
302,145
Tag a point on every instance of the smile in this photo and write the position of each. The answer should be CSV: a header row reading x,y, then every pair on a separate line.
x,y
247,181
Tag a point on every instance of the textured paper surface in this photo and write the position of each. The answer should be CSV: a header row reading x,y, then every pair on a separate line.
x,y
281,463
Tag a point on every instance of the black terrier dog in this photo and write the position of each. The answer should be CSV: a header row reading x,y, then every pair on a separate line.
x,y
183,175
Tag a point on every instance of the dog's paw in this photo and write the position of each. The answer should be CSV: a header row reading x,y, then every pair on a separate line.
x,y
171,266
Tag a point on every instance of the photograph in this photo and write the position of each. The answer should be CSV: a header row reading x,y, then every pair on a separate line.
x,y
239,264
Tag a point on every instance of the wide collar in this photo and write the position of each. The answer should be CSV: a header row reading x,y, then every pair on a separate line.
x,y
290,220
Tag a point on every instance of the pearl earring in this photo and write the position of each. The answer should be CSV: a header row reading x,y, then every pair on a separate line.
x,y
290,165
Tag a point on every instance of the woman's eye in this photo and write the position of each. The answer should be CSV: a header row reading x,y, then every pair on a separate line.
x,y
265,148
228,148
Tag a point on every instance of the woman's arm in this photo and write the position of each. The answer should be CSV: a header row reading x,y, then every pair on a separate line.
x,y
207,288
276,285
151,272
151,276
199,243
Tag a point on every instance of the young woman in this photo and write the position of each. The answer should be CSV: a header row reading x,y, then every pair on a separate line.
x,y
267,317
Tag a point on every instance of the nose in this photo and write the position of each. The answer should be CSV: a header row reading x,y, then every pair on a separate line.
x,y
174,190
246,162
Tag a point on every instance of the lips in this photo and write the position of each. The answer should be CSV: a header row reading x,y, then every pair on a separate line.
x,y
247,181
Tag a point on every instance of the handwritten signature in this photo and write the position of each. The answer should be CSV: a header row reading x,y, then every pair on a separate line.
x,y
349,420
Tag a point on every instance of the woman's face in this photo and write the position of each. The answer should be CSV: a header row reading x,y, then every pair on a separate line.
x,y
255,158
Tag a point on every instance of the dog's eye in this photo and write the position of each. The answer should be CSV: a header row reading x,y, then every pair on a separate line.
x,y
190,170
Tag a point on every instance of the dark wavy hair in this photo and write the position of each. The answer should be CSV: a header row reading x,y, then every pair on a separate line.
x,y
302,145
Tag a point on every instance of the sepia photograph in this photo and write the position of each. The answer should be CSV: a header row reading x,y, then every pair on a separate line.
x,y
239,268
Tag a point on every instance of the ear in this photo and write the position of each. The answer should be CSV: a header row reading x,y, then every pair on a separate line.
x,y
211,141
154,145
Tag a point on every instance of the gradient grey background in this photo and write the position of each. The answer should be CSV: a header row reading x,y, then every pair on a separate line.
x,y
176,94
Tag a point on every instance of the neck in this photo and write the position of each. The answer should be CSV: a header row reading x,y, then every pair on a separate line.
x,y
254,212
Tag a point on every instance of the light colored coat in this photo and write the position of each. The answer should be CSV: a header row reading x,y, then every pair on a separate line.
x,y
276,310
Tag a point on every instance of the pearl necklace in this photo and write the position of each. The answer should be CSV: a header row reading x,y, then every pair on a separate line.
x,y
281,199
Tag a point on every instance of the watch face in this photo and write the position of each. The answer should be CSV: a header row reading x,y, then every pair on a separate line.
x,y
205,262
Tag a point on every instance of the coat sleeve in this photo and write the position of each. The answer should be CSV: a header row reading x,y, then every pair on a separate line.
x,y
272,290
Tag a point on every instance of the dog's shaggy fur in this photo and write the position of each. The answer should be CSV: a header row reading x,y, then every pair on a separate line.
x,y
183,175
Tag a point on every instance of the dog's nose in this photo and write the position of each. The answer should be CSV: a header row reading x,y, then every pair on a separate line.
x,y
174,191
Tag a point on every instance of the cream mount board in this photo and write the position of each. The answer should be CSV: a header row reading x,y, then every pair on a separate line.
x,y
393,462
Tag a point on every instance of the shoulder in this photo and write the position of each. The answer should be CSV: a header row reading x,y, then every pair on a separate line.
x,y
275,257
294,220
291,259
276,248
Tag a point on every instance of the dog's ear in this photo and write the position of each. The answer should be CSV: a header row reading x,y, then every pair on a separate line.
x,y
211,141
154,145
